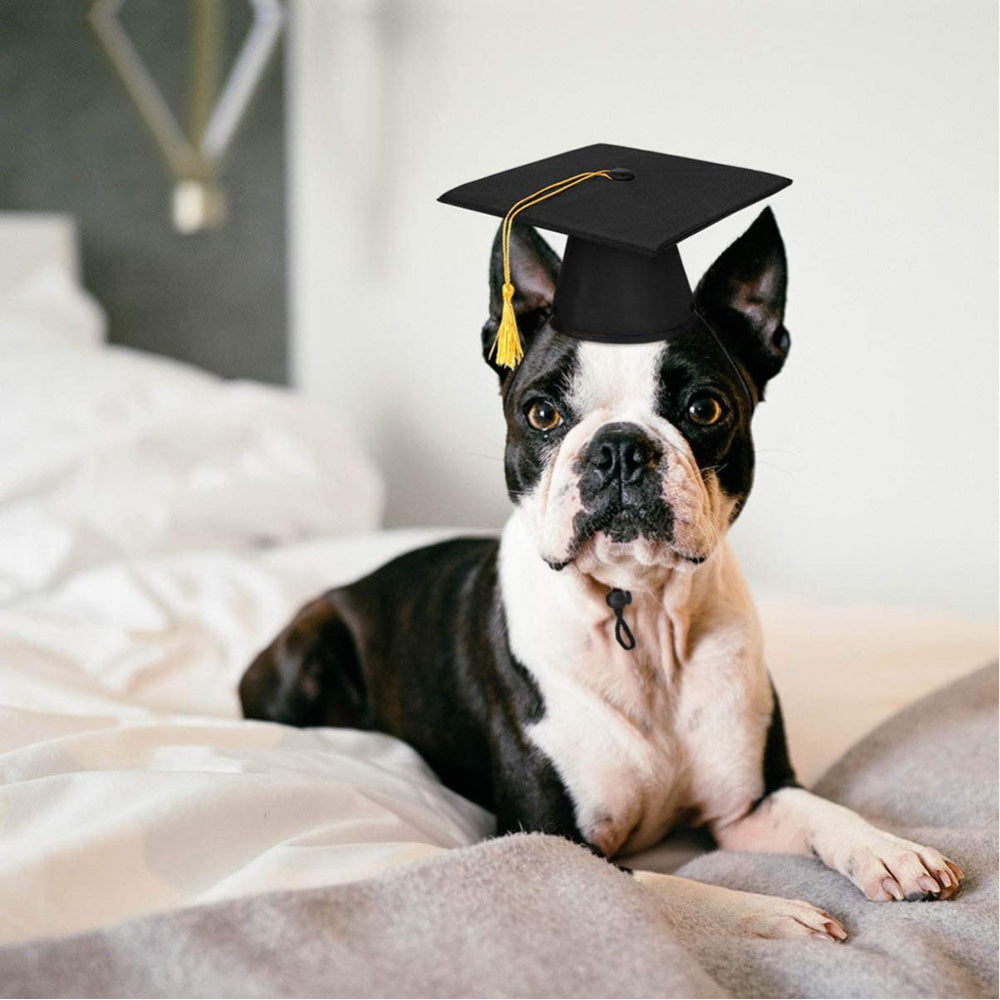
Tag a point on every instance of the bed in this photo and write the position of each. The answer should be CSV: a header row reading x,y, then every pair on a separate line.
x,y
157,526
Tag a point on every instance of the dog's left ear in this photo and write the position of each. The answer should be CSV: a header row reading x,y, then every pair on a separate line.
x,y
743,296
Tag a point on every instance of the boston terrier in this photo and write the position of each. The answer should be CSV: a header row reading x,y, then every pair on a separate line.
x,y
597,672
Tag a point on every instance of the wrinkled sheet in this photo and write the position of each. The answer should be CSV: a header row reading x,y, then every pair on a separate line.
x,y
129,784
535,916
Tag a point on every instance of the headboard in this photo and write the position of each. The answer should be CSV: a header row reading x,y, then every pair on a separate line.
x,y
71,142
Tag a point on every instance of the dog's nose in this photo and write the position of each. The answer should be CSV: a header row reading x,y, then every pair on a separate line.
x,y
621,451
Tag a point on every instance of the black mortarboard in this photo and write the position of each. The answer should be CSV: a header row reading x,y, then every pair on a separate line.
x,y
624,211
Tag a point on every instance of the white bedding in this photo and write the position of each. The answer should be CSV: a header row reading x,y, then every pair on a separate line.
x,y
156,528
130,783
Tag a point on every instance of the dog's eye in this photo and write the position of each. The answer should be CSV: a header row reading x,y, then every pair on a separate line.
x,y
542,415
705,410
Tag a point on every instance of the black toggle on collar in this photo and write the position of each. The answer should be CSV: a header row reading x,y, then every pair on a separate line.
x,y
618,600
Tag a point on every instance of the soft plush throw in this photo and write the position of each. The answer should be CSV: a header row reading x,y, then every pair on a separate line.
x,y
535,916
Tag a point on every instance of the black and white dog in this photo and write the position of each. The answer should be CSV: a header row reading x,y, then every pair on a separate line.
x,y
498,659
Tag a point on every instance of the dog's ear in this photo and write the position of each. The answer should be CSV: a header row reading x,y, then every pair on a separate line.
x,y
743,296
534,268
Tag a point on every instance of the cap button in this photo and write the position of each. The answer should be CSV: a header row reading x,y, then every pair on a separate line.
x,y
621,174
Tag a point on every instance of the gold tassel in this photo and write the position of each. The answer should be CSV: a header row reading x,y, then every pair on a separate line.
x,y
507,347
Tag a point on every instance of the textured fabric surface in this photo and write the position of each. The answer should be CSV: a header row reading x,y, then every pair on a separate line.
x,y
929,774
536,916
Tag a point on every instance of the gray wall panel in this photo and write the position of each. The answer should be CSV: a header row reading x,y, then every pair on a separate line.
x,y
70,141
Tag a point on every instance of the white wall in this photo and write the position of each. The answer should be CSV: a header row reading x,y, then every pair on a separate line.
x,y
877,445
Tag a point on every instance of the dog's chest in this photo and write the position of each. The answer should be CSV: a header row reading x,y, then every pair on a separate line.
x,y
642,741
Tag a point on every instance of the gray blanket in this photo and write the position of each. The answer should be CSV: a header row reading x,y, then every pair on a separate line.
x,y
535,916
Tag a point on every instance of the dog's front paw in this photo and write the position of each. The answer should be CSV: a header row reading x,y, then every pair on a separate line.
x,y
702,906
886,868
775,917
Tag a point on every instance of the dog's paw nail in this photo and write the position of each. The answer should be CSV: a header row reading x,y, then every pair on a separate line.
x,y
928,884
892,888
835,930
944,878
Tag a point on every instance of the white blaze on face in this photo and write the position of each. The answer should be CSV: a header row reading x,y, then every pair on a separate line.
x,y
619,383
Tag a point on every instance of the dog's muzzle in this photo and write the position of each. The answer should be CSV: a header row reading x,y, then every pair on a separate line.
x,y
620,476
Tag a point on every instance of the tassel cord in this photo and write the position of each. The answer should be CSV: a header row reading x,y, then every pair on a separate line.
x,y
507,348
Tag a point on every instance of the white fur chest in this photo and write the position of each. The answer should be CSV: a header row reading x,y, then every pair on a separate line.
x,y
672,730
612,739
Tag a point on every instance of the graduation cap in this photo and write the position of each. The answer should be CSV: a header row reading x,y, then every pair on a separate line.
x,y
624,211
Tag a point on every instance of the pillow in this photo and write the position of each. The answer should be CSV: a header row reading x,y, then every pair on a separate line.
x,y
49,309
34,241
110,453
41,301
